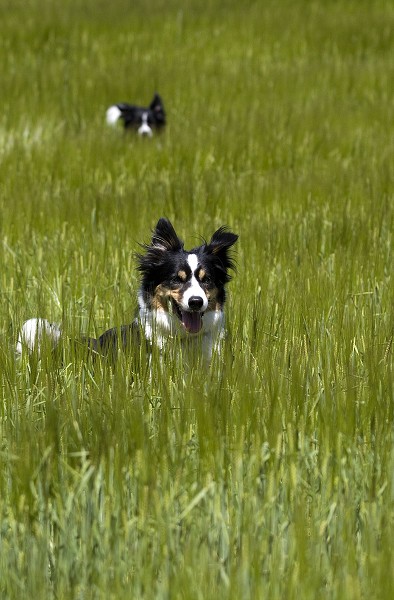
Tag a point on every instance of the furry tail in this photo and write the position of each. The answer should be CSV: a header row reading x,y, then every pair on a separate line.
x,y
36,334
113,114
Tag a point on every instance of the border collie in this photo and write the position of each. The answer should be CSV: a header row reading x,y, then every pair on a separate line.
x,y
142,119
182,295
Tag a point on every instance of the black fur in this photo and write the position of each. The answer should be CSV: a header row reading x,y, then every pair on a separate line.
x,y
108,344
185,294
131,114
165,256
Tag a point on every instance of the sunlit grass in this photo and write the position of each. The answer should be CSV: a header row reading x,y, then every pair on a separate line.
x,y
270,475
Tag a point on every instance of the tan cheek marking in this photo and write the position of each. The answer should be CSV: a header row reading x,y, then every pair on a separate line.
x,y
162,296
176,295
182,275
212,295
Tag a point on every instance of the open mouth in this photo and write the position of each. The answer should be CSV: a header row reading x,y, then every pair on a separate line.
x,y
191,320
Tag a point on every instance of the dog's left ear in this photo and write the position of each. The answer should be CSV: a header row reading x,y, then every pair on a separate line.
x,y
157,103
221,241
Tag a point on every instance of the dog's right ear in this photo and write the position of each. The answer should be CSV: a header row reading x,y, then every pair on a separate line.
x,y
164,236
164,239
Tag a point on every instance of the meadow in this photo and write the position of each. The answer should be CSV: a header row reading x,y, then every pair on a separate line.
x,y
270,475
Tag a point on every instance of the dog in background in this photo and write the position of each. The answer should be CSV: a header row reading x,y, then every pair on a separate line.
x,y
182,295
144,120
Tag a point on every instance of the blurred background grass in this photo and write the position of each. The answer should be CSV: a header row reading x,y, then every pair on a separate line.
x,y
272,475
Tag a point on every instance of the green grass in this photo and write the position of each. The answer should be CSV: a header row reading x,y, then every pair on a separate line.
x,y
271,475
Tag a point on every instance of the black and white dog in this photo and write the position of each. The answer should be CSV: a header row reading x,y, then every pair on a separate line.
x,y
182,295
142,119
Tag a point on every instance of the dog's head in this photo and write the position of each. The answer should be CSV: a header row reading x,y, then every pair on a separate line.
x,y
187,286
153,117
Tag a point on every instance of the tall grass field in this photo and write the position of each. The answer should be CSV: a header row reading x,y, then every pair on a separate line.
x,y
269,475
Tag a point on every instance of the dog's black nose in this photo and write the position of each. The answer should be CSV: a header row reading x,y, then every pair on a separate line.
x,y
195,302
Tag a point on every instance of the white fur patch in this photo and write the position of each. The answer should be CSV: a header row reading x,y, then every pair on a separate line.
x,y
192,260
144,128
113,114
36,333
195,288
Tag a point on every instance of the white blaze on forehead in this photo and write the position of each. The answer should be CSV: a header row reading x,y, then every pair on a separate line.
x,y
144,128
192,262
195,288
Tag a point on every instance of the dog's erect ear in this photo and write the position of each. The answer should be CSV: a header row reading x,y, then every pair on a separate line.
x,y
164,239
164,236
221,241
218,248
156,103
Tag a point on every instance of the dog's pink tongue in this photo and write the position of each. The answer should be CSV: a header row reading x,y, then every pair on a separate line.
x,y
192,321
